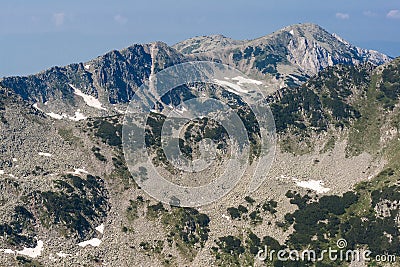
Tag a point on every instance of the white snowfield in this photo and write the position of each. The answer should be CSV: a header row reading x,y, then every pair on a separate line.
x,y
62,254
1,172
315,185
33,252
89,100
94,242
340,39
236,87
78,171
45,154
87,66
155,111
242,80
30,252
232,87
77,117
100,228
36,107
55,116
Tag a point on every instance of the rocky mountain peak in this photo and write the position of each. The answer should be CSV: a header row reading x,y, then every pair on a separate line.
x,y
313,48
201,44
285,58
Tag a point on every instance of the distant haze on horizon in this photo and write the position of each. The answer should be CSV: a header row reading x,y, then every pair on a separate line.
x,y
36,35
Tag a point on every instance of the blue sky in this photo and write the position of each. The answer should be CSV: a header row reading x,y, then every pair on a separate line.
x,y
35,35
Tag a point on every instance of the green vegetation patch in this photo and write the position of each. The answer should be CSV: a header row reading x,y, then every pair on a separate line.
x,y
78,205
187,228
19,232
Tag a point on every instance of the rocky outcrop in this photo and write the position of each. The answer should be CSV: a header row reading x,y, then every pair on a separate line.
x,y
290,55
285,58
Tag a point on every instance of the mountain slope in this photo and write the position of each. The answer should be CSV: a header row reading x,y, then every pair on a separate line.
x,y
65,181
94,87
288,56
103,86
205,43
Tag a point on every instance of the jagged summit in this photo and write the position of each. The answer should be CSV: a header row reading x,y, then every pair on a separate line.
x,y
205,43
285,58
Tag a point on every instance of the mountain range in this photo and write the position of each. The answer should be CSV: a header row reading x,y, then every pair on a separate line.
x,y
286,58
68,197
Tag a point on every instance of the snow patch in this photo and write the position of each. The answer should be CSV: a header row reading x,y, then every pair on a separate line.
x,y
100,228
32,252
242,80
1,172
226,217
315,185
340,39
155,111
14,160
50,114
55,115
94,242
233,88
87,66
9,251
62,254
78,116
79,171
89,100
291,32
45,154
36,107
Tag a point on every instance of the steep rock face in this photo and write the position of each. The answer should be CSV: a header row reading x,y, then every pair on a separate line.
x,y
104,85
49,84
109,79
314,49
120,73
286,57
